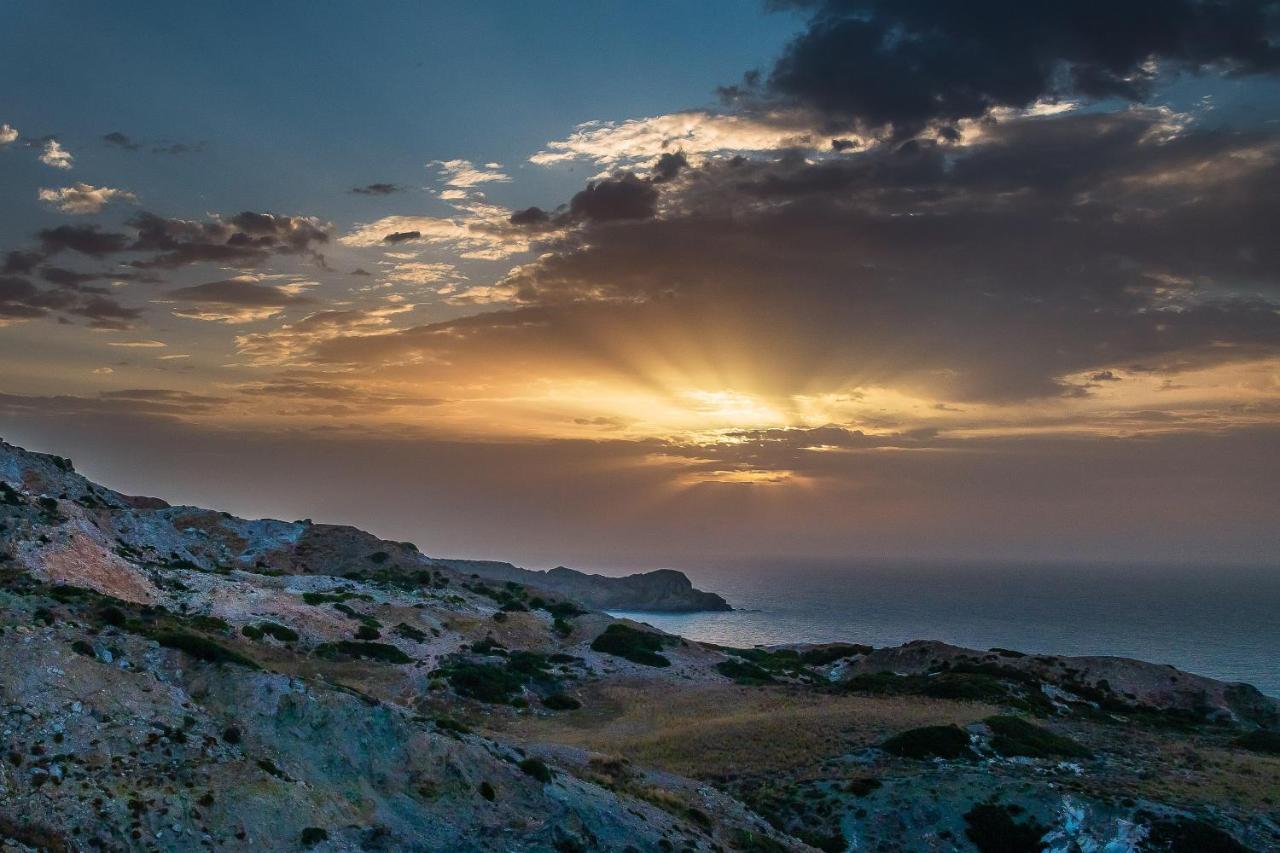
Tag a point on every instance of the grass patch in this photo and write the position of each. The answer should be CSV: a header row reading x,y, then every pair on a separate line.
x,y
950,742
1015,736
631,644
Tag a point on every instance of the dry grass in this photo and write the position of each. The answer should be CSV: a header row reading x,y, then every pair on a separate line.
x,y
714,730
1225,777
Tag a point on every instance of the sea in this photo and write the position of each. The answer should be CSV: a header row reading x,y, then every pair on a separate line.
x,y
1223,622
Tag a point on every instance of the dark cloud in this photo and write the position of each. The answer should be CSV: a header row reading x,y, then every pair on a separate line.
x,y
21,262
377,189
85,239
906,64
245,238
614,199
530,216
402,236
241,293
123,141
120,140
22,300
669,165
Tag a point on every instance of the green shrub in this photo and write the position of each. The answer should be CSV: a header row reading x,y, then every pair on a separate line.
x,y
830,654
209,623
367,632
528,663
202,648
280,632
486,791
371,651
561,702
930,742
1267,743
994,829
112,615
744,672
409,633
80,647
313,835
485,682
449,724
536,768
1190,835
1015,736
252,632
632,644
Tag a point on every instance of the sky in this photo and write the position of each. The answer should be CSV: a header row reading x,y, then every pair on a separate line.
x,y
623,285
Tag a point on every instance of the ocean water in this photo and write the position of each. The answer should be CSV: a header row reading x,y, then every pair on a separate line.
x,y
1219,622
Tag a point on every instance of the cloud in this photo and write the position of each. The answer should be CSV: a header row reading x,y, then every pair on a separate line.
x,y
624,197
244,238
1044,249
377,189
84,198
123,141
138,344
8,134
402,236
696,134
463,174
484,233
20,300
237,300
120,140
875,64
85,239
55,155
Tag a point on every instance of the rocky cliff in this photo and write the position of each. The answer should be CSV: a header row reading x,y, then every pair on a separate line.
x,y
661,590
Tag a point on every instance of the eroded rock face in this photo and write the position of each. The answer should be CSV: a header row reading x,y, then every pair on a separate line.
x,y
661,590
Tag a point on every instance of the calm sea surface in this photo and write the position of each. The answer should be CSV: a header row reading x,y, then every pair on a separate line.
x,y
1223,623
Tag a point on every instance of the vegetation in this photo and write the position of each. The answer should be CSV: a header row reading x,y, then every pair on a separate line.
x,y
313,835
536,768
202,648
949,742
561,702
1189,835
632,644
409,632
280,632
356,649
1265,742
996,829
744,672
485,682
1015,736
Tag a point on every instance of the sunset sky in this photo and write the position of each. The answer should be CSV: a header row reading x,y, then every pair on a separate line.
x,y
621,285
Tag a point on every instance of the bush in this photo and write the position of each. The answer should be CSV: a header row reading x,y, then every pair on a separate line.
x,y
209,623
930,742
744,672
280,632
486,791
367,632
313,835
537,769
252,632
561,702
80,647
485,682
993,829
1267,743
370,651
202,648
824,655
1190,835
632,644
410,633
1015,736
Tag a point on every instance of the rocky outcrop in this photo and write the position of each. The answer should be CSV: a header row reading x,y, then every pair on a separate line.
x,y
661,590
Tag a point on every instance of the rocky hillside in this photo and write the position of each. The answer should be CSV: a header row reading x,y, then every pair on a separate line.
x,y
661,590
177,678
